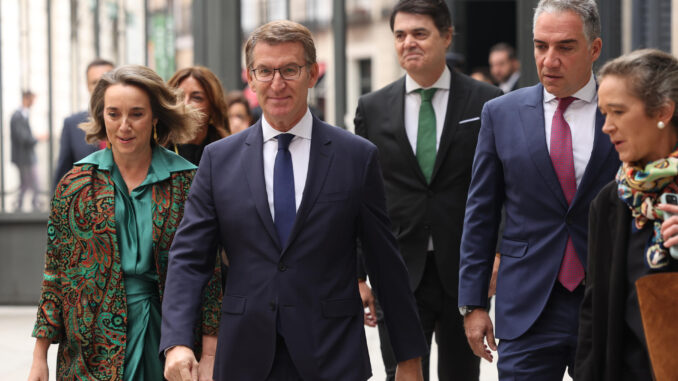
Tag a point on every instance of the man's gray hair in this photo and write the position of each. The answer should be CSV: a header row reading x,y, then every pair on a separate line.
x,y
586,9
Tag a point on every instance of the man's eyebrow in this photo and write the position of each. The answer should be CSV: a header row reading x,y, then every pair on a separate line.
x,y
412,30
568,41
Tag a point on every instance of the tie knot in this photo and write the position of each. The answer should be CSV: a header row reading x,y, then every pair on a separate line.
x,y
284,141
564,103
427,94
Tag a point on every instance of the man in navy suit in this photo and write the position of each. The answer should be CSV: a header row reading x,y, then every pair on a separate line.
x,y
542,155
73,146
287,199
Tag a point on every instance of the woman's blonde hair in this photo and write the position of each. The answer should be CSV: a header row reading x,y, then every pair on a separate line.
x,y
176,122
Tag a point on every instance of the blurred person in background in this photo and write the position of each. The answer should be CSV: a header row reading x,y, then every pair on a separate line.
x,y
202,90
504,66
113,218
481,74
23,151
638,96
239,113
73,146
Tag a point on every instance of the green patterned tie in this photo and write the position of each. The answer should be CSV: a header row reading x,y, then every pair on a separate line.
x,y
426,133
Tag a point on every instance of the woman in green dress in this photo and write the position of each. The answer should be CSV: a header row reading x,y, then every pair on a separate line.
x,y
110,229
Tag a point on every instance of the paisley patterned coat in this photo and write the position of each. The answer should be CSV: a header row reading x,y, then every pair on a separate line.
x,y
83,305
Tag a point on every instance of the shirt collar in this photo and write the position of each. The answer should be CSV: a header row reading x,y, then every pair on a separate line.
x,y
163,162
302,129
586,93
510,82
443,82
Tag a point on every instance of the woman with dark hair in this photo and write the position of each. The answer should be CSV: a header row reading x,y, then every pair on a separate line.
x,y
637,94
203,91
113,218
239,112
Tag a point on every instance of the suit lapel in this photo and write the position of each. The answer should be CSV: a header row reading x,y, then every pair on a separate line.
x,y
456,103
602,148
319,161
254,170
532,124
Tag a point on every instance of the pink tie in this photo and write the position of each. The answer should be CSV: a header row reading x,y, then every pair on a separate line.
x,y
571,270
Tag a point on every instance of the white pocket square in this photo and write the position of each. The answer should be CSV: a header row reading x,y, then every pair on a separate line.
x,y
469,120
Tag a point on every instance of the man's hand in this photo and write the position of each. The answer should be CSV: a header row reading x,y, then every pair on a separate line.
x,y
670,225
409,370
493,280
368,301
478,326
181,365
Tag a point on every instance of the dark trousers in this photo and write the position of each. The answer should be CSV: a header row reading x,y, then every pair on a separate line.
x,y
28,180
439,313
283,368
548,347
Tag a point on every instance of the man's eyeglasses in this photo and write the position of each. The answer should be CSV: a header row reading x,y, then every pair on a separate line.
x,y
288,72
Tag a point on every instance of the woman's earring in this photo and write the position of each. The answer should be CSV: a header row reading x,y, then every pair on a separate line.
x,y
661,125
155,133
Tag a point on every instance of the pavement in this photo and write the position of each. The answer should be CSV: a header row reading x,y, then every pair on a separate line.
x,y
16,348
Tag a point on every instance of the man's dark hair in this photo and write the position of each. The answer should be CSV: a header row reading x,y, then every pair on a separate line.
x,y
504,47
436,9
99,62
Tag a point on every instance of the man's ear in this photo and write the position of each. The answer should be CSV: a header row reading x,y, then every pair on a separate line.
x,y
250,79
313,73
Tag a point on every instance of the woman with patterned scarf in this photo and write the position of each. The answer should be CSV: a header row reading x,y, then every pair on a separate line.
x,y
637,94
112,222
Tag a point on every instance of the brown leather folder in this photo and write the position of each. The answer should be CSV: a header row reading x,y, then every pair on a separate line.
x,y
658,299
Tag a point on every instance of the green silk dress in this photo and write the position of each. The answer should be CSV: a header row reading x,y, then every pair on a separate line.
x,y
134,226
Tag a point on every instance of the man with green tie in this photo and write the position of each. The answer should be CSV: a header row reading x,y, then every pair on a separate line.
x,y
425,125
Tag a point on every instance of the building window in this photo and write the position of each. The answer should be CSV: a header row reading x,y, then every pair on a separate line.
x,y
652,24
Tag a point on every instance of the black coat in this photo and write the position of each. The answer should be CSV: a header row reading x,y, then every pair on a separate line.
x,y
417,209
605,333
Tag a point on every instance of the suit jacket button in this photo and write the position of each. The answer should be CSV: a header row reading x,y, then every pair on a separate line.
x,y
272,305
282,267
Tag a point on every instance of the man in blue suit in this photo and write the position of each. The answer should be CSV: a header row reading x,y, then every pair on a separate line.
x,y
542,155
73,146
287,199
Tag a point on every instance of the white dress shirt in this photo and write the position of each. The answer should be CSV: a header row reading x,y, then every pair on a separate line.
x,y
412,105
300,149
413,102
581,116
508,85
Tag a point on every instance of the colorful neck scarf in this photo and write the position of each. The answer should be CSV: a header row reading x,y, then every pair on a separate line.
x,y
640,188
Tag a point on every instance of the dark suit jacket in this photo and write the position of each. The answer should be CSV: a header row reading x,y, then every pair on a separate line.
x,y
23,142
512,167
417,209
602,324
73,146
305,291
